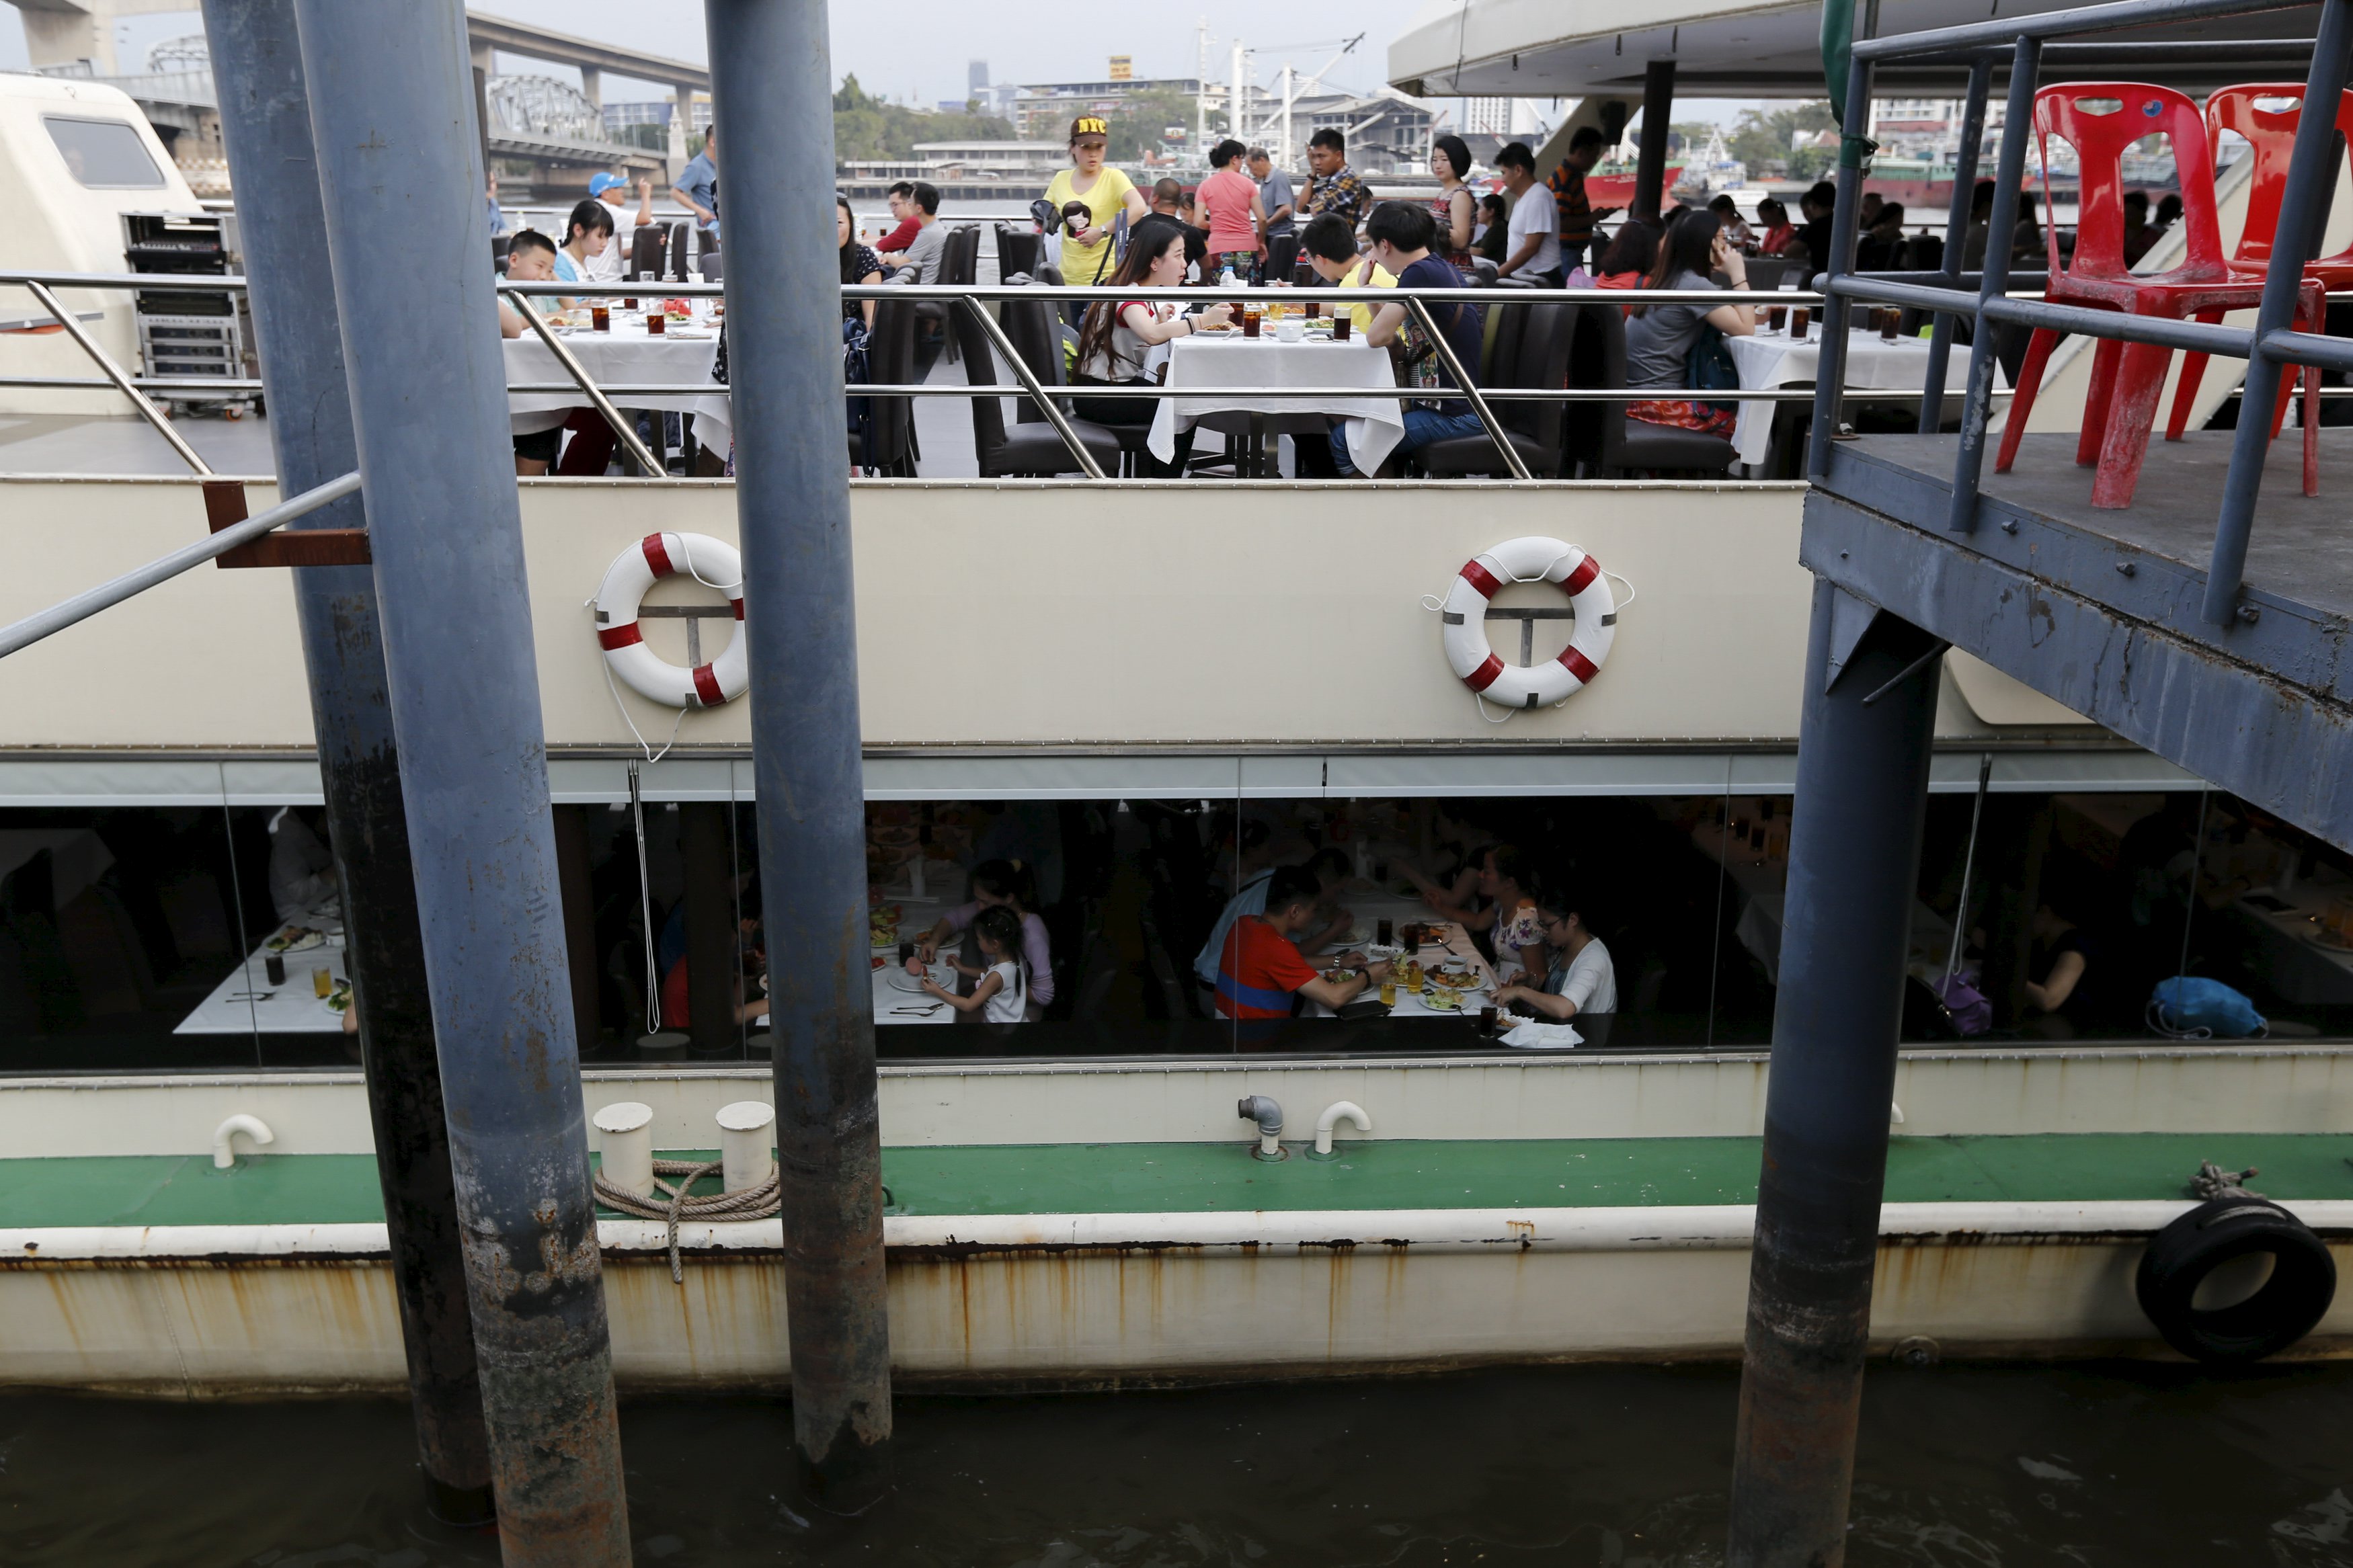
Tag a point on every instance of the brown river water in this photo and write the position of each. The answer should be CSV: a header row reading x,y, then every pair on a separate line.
x,y
1626,1466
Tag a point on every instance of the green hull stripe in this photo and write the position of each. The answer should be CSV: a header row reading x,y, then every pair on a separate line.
x,y
1138,1178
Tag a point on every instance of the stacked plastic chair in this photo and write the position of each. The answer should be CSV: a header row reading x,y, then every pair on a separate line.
x,y
2100,121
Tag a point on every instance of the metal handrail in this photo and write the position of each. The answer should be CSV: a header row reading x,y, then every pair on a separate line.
x,y
2266,346
121,380
106,595
624,429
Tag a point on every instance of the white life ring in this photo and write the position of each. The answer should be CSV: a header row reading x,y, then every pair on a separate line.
x,y
1464,628
656,556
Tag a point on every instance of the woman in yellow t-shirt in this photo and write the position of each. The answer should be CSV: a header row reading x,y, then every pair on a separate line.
x,y
1087,257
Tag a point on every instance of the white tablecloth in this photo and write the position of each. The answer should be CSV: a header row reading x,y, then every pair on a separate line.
x,y
627,354
247,1003
1772,358
1372,908
1214,369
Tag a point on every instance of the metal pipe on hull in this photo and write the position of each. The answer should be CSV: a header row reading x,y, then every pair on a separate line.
x,y
771,89
398,156
266,122
1855,855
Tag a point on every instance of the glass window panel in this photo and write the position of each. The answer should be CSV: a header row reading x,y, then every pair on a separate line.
x,y
103,154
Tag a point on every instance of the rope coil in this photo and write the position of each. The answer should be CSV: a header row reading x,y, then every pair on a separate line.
x,y
752,1202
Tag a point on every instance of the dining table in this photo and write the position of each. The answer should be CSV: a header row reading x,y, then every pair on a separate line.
x,y
1766,360
247,1002
1224,372
896,1000
624,356
1452,940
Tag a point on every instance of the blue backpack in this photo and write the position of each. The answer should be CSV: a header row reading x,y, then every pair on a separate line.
x,y
2191,1007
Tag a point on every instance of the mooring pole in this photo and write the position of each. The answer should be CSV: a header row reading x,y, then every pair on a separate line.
x,y
265,115
1855,854
398,156
773,91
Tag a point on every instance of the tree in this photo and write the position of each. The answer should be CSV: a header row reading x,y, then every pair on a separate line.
x,y
1136,126
865,126
1763,137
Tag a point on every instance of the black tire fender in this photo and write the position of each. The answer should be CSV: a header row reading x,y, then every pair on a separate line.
x,y
2303,1281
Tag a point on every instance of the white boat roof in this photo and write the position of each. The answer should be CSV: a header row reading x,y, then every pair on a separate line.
x,y
1576,48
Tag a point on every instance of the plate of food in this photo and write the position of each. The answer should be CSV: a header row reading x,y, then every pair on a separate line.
x,y
902,981
1339,976
295,939
339,1000
1440,999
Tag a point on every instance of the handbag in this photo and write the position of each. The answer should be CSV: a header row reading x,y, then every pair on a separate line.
x,y
2192,1007
1709,368
856,371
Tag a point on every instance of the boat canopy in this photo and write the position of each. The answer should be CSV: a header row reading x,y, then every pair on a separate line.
x,y
1580,48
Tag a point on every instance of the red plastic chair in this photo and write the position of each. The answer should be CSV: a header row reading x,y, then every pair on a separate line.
x,y
2270,135
2128,379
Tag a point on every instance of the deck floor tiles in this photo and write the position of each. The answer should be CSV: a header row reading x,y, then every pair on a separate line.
x,y
1144,1178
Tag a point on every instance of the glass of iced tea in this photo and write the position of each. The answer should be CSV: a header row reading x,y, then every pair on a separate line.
x,y
1343,321
1314,308
1891,322
1799,319
1252,314
600,316
1777,316
657,321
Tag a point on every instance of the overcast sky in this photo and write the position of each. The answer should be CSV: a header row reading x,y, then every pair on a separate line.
x,y
918,49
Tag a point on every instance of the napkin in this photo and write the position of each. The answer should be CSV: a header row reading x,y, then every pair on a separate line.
x,y
1544,1038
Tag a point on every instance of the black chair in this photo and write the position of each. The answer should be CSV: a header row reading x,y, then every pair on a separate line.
x,y
1026,449
676,270
1766,272
1017,251
890,361
500,244
959,263
1600,435
708,263
1539,359
647,247
1282,256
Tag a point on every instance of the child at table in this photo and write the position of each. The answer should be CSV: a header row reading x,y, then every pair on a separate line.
x,y
1000,998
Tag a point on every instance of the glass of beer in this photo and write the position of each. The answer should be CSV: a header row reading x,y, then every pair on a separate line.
x,y
1251,315
600,316
1799,319
1343,320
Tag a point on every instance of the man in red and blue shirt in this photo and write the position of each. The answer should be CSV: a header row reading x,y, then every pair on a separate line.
x,y
1261,972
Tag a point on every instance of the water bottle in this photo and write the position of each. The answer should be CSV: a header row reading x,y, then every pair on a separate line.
x,y
1227,280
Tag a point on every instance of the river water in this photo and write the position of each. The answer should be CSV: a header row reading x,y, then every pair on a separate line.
x,y
1967,1466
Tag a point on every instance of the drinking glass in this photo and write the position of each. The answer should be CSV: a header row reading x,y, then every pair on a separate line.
x,y
1799,317
1776,317
600,316
1251,315
1343,322
1890,321
323,980
1383,932
658,321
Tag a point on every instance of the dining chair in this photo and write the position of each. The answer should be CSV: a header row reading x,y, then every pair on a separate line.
x,y
1540,361
890,361
2257,112
1025,449
646,248
1599,434
2101,120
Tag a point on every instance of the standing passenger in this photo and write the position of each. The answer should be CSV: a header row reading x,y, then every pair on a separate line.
x,y
1228,205
1088,256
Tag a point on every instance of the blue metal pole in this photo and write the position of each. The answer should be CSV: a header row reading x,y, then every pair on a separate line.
x,y
1957,239
2304,207
266,122
398,156
2002,229
1829,376
772,88
1854,849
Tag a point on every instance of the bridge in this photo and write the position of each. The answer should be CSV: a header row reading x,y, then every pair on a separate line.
x,y
560,133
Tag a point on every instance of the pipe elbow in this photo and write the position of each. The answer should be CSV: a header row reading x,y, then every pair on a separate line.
x,y
1268,1114
1339,1111
225,1138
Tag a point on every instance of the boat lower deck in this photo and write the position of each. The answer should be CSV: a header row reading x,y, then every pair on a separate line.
x,y
1013,1179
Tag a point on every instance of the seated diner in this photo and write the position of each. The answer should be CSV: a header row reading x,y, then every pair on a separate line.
x,y
1580,984
1116,337
1261,975
1401,238
1667,343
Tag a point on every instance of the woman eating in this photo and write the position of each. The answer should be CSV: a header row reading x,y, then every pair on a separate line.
x,y
860,264
1454,208
1115,338
1087,253
1661,339
1489,889
1003,885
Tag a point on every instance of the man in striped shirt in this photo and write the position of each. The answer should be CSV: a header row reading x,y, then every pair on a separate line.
x,y
1566,184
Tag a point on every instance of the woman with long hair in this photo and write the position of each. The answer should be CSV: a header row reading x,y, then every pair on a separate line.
x,y
1229,209
1118,334
860,264
1661,337
1455,209
1629,258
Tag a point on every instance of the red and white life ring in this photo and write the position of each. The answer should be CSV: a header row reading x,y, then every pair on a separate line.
x,y
1530,560
656,556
